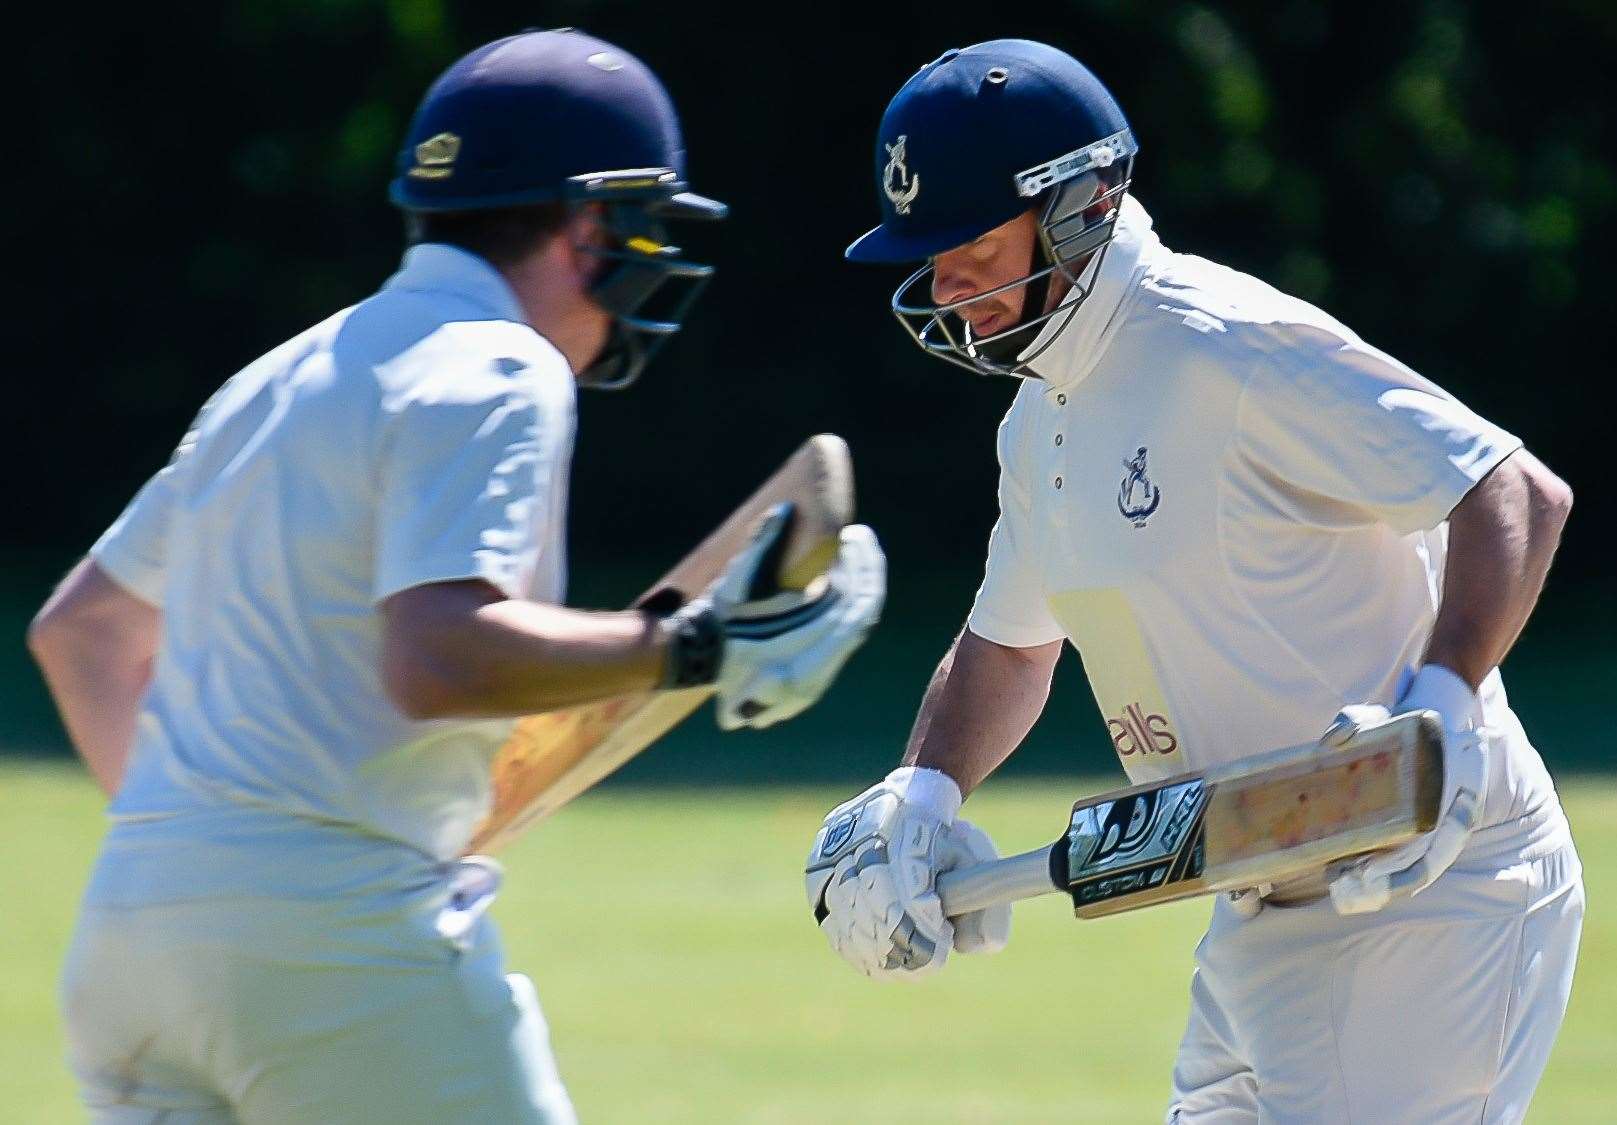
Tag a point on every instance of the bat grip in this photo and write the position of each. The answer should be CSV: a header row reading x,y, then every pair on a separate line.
x,y
999,881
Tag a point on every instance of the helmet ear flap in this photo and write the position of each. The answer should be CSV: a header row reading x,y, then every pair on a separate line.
x,y
1061,242
1081,212
645,285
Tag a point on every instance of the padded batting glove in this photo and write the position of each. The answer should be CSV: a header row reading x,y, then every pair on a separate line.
x,y
1369,884
871,877
771,652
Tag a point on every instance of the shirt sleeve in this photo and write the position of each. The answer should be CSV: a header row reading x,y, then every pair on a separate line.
x,y
1355,427
1011,609
463,481
134,550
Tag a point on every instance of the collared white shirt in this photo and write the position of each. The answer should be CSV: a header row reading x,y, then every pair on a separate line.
x,y
421,436
1235,509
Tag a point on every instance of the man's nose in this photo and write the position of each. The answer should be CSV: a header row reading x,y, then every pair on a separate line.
x,y
950,283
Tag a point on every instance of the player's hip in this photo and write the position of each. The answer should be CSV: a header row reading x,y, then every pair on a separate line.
x,y
229,852
1494,885
373,1006
1441,1008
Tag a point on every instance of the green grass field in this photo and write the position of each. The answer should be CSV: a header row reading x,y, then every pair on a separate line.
x,y
683,980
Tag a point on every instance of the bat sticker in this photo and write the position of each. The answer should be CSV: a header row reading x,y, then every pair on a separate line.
x,y
1136,842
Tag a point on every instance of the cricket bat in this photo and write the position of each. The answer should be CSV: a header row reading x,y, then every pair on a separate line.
x,y
551,758
1264,820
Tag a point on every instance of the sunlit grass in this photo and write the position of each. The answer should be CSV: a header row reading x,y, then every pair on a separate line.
x,y
684,981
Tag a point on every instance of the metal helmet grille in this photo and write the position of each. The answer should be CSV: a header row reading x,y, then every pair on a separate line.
x,y
645,282
1083,197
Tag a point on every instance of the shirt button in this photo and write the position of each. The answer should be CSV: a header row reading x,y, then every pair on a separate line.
x,y
1059,439
1061,400
1058,482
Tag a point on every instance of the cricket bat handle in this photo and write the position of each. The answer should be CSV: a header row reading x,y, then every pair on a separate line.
x,y
999,881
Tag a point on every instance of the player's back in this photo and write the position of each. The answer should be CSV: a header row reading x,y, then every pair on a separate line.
x,y
313,485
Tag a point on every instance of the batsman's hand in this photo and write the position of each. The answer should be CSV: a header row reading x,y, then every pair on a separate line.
x,y
872,873
1369,884
771,652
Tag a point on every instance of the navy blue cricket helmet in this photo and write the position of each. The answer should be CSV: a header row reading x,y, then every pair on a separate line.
x,y
563,117
975,138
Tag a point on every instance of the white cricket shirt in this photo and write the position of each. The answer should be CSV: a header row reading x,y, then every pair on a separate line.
x,y
421,436
1235,509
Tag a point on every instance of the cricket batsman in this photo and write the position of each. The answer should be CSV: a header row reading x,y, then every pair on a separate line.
x,y
1248,520
291,659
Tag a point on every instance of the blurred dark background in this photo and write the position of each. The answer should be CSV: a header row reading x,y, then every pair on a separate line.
x,y
203,183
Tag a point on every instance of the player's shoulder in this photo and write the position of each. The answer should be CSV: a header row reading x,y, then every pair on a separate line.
x,y
415,350
302,360
1208,309
1260,339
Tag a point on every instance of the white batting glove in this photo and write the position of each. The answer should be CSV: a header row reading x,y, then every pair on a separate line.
x,y
1369,884
872,873
777,651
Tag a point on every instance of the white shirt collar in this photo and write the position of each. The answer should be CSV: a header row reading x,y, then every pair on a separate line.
x,y
441,268
1083,336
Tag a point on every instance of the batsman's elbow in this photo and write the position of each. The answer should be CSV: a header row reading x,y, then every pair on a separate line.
x,y
1550,497
1521,493
47,635
420,687
1556,499
429,663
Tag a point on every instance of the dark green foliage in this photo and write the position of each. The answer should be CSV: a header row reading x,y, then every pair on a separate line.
x,y
190,188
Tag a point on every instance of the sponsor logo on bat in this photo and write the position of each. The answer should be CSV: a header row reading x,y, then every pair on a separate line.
x,y
1136,843
1115,830
1190,802
1128,882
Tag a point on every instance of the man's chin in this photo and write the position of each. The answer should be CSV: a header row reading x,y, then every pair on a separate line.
x,y
1005,348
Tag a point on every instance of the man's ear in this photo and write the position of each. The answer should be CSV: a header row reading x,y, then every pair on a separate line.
x,y
583,232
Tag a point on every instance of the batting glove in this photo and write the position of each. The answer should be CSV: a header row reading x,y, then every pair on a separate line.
x,y
1369,884
772,652
871,877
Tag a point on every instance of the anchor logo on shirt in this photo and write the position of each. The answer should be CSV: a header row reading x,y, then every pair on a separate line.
x,y
1137,497
900,186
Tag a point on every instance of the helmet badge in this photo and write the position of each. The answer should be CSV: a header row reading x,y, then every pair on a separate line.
x,y
435,157
897,183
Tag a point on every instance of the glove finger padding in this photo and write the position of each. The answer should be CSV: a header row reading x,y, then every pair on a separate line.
x,y
870,875
759,703
1352,719
769,676
862,566
981,931
866,922
1369,884
754,572
875,926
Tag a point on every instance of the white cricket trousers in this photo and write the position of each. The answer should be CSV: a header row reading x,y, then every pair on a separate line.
x,y
382,999
1441,1008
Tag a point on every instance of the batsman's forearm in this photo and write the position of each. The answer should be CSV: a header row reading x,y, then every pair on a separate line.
x,y
510,657
1502,539
99,702
95,644
982,701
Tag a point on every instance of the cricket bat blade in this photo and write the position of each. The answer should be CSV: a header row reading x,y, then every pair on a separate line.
x,y
551,758
1283,815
